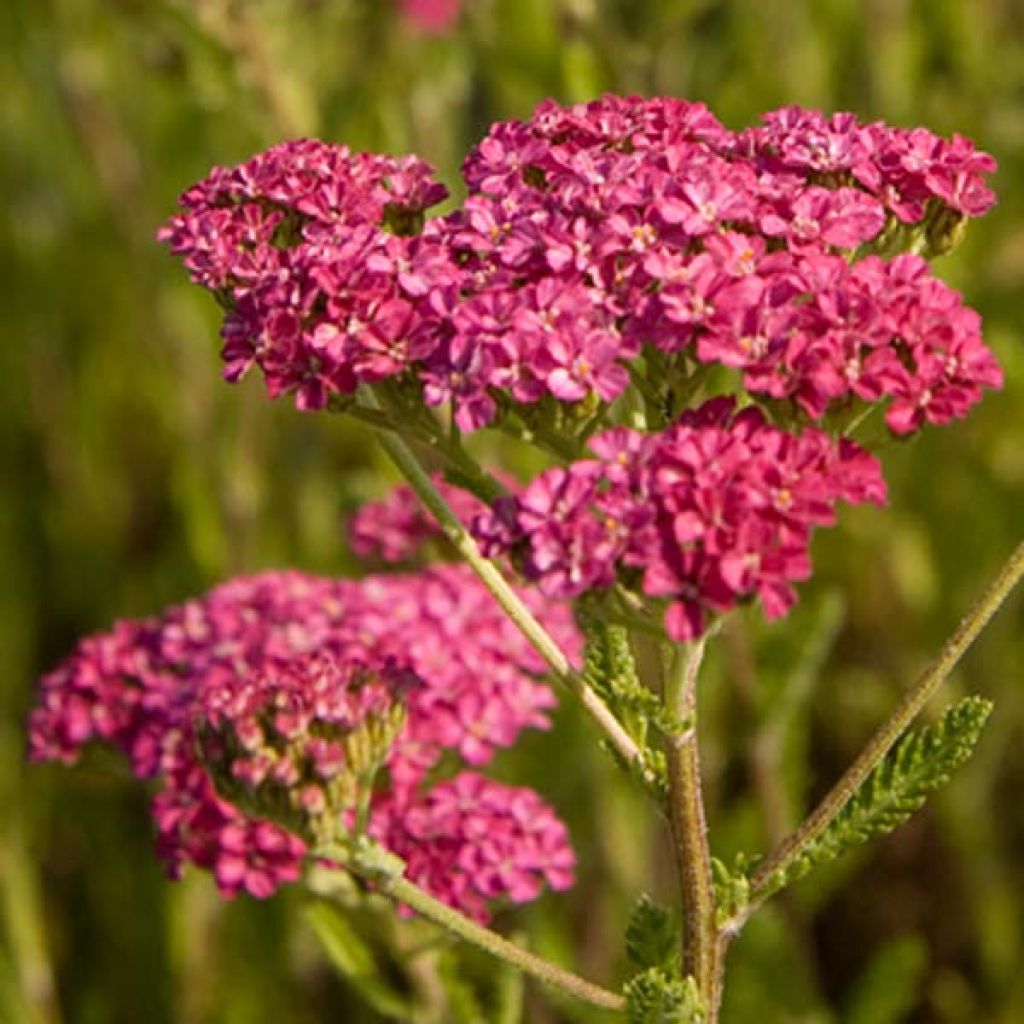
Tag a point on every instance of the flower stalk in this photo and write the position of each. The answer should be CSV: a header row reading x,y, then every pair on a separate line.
x,y
689,825
402,891
491,577
763,883
386,873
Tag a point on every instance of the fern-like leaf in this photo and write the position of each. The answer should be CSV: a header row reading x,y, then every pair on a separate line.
x,y
609,667
653,935
922,762
655,997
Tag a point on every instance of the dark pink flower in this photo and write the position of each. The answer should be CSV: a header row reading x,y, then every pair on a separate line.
x,y
717,509
471,841
396,528
258,682
591,232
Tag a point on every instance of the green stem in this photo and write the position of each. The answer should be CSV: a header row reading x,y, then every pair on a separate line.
x,y
385,872
385,412
689,827
764,881
531,430
654,403
511,603
411,895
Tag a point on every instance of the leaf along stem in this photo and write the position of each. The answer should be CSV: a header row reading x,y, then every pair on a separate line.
x,y
763,882
513,606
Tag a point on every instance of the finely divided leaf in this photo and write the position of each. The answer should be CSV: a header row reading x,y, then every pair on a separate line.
x,y
922,762
609,667
655,997
653,937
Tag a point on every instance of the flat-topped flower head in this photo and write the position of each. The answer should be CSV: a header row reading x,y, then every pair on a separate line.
x,y
315,252
593,235
262,706
472,841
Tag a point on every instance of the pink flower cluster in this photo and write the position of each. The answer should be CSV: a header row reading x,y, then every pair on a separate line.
x,y
398,527
476,841
907,169
591,235
292,242
283,729
434,17
717,509
280,667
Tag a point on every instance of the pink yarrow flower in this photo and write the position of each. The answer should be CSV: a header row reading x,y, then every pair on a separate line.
x,y
257,683
592,233
471,841
718,509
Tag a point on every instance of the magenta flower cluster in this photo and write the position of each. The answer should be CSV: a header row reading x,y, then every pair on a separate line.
x,y
475,840
717,509
398,527
432,17
278,668
591,235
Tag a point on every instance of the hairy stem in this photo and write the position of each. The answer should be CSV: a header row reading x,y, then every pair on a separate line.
x,y
763,883
411,895
689,828
385,872
511,603
389,409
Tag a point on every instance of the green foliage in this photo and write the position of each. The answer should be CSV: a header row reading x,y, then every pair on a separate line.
x,y
732,888
509,989
479,989
889,985
921,763
652,772
771,979
656,994
653,936
656,997
610,668
353,958
464,1005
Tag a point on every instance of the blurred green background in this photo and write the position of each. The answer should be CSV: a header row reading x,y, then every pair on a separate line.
x,y
133,477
